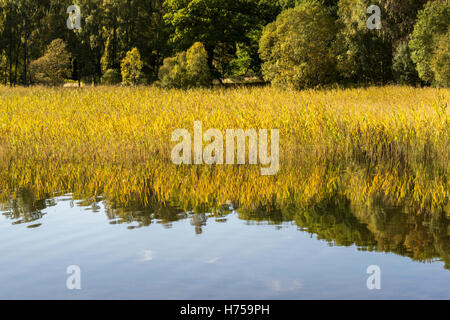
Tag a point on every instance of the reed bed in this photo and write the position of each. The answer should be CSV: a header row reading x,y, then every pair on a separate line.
x,y
387,144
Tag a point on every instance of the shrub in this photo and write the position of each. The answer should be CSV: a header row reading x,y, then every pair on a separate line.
x,y
186,69
197,68
172,73
131,67
54,67
296,48
111,76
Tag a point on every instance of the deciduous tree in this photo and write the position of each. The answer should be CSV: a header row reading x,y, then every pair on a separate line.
x,y
54,67
296,48
432,23
131,67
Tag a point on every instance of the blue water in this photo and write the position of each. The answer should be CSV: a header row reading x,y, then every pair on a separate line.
x,y
230,259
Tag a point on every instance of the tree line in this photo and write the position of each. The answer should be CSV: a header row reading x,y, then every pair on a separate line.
x,y
185,43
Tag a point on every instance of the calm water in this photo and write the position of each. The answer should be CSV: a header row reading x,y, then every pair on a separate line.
x,y
163,252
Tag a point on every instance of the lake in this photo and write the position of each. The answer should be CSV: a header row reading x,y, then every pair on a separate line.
x,y
161,251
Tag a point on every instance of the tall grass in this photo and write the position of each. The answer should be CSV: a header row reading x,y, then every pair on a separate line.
x,y
389,143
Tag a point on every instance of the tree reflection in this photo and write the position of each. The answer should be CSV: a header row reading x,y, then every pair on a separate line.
x,y
402,209
24,208
380,227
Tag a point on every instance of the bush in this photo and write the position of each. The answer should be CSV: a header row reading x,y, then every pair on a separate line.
x,y
131,67
54,67
404,69
187,69
244,63
296,48
111,76
197,68
440,62
432,23
172,73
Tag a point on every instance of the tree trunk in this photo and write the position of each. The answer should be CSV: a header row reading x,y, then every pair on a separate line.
x,y
215,73
10,58
114,46
17,64
25,58
78,73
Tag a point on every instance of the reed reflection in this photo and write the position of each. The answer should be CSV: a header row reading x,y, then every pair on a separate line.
x,y
380,209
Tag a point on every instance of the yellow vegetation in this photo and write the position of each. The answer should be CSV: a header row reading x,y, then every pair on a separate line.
x,y
390,144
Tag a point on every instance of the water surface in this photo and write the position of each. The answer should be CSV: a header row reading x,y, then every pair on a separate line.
x,y
162,251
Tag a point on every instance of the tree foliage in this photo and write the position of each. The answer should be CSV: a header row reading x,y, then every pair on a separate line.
x,y
54,67
218,24
440,62
231,33
432,23
197,65
111,76
404,69
296,48
172,73
186,69
364,56
398,19
131,67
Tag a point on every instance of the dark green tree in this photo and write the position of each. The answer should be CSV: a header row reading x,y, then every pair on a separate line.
x,y
364,56
404,69
218,24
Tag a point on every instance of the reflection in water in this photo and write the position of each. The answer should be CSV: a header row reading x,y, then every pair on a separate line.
x,y
400,206
24,208
422,237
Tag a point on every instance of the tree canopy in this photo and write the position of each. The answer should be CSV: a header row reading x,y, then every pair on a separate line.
x,y
54,66
296,48
432,23
131,67
232,35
